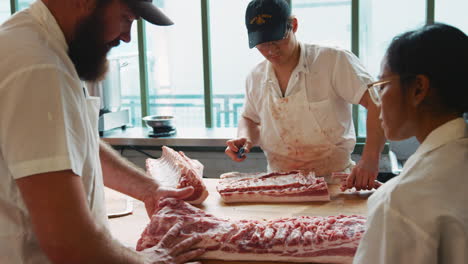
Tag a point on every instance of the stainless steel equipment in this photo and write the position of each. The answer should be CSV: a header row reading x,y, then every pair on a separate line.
x,y
110,91
111,87
163,126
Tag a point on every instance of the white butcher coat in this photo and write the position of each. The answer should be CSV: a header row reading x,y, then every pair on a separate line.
x,y
47,123
421,216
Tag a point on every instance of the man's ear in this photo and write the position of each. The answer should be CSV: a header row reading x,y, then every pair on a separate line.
x,y
421,89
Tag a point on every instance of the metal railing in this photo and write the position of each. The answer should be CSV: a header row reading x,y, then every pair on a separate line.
x,y
189,108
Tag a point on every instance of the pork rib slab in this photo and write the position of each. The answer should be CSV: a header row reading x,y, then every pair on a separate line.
x,y
331,239
175,169
293,186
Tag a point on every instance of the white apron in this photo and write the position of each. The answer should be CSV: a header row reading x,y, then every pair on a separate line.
x,y
292,137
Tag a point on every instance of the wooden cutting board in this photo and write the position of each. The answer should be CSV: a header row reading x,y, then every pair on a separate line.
x,y
128,229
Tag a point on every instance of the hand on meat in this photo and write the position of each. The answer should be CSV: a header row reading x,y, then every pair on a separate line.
x,y
152,198
363,176
172,250
234,145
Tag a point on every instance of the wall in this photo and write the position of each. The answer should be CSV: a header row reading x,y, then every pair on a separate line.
x,y
216,162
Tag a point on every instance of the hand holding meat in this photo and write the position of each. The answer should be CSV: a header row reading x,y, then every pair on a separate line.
x,y
172,250
235,145
152,198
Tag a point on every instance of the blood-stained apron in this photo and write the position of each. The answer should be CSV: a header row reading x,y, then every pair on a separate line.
x,y
295,134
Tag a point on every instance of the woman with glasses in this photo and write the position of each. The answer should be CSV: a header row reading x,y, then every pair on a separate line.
x,y
299,100
422,215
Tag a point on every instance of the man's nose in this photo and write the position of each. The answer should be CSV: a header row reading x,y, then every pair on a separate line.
x,y
126,37
125,32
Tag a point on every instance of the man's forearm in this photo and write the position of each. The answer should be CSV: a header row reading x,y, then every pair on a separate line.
x,y
122,175
248,129
63,224
105,249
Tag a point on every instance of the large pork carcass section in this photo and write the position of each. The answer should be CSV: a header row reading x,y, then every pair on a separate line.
x,y
293,186
175,169
330,239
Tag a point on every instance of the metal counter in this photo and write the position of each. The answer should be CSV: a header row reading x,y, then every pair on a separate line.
x,y
185,137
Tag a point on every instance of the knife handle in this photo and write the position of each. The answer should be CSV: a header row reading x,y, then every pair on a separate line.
x,y
240,153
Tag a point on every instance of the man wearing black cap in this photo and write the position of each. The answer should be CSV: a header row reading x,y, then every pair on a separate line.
x,y
52,165
298,102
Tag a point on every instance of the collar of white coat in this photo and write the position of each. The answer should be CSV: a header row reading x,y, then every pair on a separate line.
x,y
42,14
450,131
302,66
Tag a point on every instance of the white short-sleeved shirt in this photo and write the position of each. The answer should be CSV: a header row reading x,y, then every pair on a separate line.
x,y
329,73
421,216
44,125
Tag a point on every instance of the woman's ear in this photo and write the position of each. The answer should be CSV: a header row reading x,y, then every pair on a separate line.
x,y
421,89
295,24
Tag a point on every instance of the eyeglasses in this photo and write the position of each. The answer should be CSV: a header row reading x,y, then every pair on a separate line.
x,y
265,45
375,90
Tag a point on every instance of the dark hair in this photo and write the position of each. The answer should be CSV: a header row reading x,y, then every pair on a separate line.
x,y
439,52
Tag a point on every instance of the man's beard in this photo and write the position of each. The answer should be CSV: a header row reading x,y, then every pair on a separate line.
x,y
88,50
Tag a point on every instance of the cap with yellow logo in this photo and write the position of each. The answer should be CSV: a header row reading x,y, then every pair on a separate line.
x,y
266,20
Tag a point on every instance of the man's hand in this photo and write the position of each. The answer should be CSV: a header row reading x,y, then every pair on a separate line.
x,y
153,195
173,250
234,145
363,175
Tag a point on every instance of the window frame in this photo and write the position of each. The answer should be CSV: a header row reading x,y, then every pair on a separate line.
x,y
13,6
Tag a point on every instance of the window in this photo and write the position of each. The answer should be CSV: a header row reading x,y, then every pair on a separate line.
x,y
22,4
452,12
378,26
175,64
5,11
325,22
231,58
125,74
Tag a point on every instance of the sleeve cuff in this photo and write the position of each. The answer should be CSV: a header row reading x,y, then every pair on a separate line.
x,y
28,168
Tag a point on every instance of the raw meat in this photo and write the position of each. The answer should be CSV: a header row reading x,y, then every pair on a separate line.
x,y
330,239
174,169
293,186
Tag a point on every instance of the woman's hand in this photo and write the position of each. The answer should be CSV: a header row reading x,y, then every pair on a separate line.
x,y
173,250
364,175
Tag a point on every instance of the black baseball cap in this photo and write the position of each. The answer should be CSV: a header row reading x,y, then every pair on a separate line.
x,y
266,20
149,12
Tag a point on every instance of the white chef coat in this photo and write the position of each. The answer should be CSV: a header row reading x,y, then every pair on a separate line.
x,y
315,113
421,216
47,123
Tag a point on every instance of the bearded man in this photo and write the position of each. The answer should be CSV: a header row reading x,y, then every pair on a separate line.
x,y
53,167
